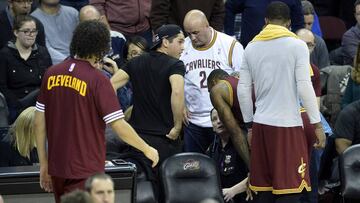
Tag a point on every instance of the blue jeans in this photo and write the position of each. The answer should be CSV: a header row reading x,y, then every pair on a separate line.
x,y
197,139
315,158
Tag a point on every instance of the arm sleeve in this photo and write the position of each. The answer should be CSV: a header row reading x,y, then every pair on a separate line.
x,y
41,100
303,83
177,68
297,17
244,92
106,101
237,56
217,16
345,124
159,13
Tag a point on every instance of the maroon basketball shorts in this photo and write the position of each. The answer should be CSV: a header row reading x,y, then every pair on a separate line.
x,y
279,159
62,186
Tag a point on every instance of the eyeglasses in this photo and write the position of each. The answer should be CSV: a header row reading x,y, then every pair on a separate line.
x,y
310,45
23,1
29,32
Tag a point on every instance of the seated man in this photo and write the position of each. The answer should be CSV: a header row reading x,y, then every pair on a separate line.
x,y
319,56
231,167
347,131
351,38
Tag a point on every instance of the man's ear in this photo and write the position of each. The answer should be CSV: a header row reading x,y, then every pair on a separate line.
x,y
165,43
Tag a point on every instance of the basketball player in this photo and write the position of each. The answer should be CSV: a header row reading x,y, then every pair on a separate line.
x,y
75,103
205,50
277,64
223,95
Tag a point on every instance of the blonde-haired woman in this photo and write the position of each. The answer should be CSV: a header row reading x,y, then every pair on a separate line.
x,y
18,148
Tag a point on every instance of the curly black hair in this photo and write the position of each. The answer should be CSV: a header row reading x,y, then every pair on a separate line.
x,y
90,39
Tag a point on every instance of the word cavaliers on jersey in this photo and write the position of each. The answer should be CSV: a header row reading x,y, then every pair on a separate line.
x,y
223,52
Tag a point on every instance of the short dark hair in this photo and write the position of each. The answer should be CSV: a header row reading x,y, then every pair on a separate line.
x,y
21,19
77,196
307,8
138,41
90,39
278,10
90,180
217,74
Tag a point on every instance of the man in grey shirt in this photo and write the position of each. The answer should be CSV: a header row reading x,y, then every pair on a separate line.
x,y
59,22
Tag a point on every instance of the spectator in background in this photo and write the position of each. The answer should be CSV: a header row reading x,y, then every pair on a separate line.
x,y
101,188
253,15
118,40
22,66
7,17
77,4
313,20
319,55
18,147
231,167
76,196
59,23
209,49
173,12
135,46
130,17
352,91
347,131
351,38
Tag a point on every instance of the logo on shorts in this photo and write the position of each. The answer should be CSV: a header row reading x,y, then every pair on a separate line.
x,y
302,168
191,165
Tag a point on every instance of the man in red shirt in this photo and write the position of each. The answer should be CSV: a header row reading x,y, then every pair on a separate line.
x,y
75,103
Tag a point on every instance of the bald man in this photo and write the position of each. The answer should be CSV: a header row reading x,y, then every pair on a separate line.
x,y
118,40
205,50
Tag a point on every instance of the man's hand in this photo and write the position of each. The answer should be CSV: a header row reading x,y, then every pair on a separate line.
x,y
45,179
173,134
249,192
110,65
228,194
320,136
153,155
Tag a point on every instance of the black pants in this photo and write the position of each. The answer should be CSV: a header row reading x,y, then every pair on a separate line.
x,y
268,197
165,148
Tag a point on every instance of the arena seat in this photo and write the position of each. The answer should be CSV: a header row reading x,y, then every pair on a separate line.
x,y
349,165
190,178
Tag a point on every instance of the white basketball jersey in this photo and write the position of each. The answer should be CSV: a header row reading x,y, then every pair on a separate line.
x,y
223,52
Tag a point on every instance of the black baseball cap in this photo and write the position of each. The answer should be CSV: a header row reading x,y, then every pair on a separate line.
x,y
165,31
